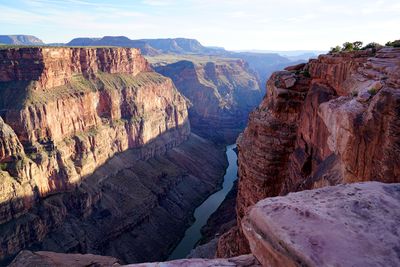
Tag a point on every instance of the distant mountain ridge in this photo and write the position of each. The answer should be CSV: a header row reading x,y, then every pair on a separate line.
x,y
149,47
263,63
20,39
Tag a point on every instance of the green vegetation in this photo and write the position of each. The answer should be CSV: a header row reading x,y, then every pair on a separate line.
x,y
357,45
335,49
347,46
395,43
19,94
3,166
373,91
372,45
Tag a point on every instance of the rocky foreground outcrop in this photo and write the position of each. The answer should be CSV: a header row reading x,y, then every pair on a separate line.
x,y
333,120
222,92
345,225
50,259
65,112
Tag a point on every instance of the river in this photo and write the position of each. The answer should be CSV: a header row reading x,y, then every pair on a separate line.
x,y
208,207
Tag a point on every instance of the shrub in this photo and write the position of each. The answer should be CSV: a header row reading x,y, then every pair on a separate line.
x,y
3,166
335,49
347,46
307,74
357,45
373,91
395,43
372,45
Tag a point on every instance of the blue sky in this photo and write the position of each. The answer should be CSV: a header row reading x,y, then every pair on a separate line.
x,y
233,24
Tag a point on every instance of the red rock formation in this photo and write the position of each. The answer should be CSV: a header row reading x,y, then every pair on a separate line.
x,y
67,111
48,259
222,92
49,67
334,120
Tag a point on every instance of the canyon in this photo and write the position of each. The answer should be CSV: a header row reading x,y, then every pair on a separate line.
x,y
221,91
97,147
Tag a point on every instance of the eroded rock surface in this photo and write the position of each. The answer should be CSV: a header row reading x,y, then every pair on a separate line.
x,y
333,120
67,111
344,225
47,259
222,93
28,258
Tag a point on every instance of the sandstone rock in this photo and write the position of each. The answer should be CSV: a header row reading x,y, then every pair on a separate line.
x,y
241,261
316,133
49,67
9,143
205,251
66,112
132,207
222,92
49,259
345,225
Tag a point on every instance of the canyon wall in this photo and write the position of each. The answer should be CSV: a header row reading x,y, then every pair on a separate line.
x,y
222,92
333,120
65,112
344,225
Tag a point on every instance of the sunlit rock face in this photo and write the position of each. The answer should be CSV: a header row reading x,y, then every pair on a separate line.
x,y
65,112
333,120
222,93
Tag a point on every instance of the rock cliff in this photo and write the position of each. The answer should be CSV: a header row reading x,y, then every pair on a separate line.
x,y
333,120
222,92
67,111
343,225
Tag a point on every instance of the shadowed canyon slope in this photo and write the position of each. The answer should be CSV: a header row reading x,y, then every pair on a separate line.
x,y
333,120
221,91
67,113
344,225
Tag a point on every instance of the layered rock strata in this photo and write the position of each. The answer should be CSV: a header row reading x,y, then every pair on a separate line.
x,y
65,112
222,93
333,120
133,209
344,225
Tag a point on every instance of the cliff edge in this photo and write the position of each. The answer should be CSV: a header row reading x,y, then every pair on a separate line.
x,y
331,121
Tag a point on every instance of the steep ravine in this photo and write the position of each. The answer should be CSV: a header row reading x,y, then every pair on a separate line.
x,y
331,126
222,92
95,148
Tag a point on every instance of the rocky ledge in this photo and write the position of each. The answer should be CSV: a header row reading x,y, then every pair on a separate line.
x,y
344,225
333,120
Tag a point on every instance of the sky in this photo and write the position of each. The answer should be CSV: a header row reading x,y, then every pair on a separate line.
x,y
232,24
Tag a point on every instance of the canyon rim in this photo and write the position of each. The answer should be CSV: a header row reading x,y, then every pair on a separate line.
x,y
120,146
